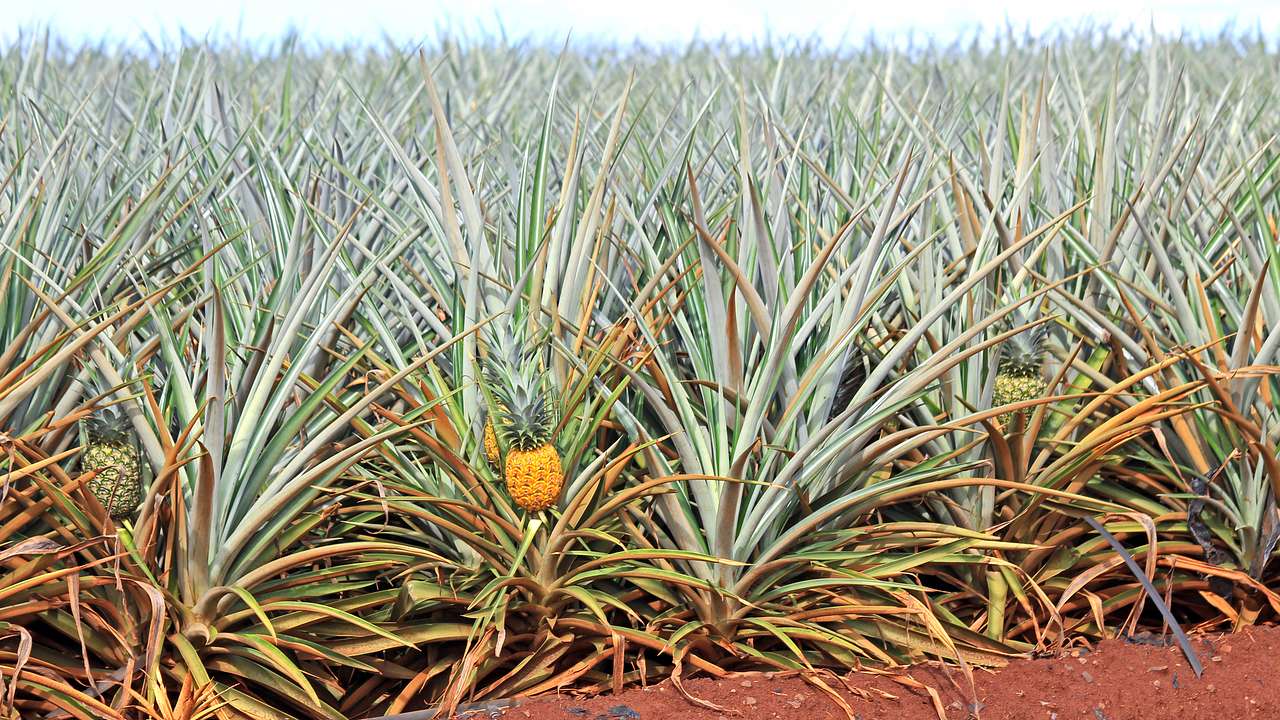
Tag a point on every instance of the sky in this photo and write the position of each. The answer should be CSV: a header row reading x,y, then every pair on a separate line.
x,y
650,21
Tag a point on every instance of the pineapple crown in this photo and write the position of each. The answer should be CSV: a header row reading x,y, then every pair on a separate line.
x,y
509,349
526,418
109,425
522,411
1025,350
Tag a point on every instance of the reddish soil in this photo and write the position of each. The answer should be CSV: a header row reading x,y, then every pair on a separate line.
x,y
1117,680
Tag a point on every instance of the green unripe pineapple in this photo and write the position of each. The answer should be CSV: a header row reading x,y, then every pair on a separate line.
x,y
1020,375
110,448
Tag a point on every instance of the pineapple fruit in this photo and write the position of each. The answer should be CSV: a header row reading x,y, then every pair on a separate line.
x,y
522,421
491,450
1020,374
109,448
534,477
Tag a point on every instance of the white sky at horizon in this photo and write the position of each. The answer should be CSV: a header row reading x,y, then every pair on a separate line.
x,y
650,21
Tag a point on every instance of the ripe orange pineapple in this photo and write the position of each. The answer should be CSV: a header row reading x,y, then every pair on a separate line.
x,y
523,417
491,451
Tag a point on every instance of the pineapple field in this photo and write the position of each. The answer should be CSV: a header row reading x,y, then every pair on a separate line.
x,y
343,382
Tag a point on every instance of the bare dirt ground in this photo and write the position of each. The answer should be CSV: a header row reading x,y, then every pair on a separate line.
x,y
1129,679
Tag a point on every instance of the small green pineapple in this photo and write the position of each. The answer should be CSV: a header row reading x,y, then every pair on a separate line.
x,y
1020,375
109,447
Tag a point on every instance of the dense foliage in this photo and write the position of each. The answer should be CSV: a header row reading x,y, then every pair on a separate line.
x,y
846,359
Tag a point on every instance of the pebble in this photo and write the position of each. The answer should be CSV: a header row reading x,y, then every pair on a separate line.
x,y
748,701
1087,677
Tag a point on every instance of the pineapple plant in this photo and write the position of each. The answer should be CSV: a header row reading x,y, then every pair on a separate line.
x,y
111,448
1020,374
522,421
